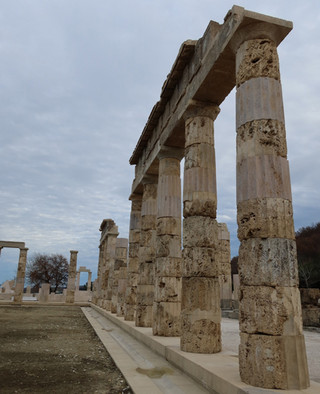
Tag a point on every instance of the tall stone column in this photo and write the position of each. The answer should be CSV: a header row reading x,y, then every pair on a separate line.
x,y
225,266
97,286
133,263
272,349
72,277
147,252
122,288
110,262
167,296
201,313
78,281
89,281
120,261
21,273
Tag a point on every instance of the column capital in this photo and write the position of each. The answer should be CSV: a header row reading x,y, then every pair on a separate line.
x,y
135,197
197,108
260,30
22,249
168,152
73,251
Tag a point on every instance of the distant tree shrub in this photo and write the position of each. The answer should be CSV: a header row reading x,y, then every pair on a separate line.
x,y
43,268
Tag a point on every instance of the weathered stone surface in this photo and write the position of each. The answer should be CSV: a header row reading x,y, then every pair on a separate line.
x,y
268,262
259,98
169,166
133,250
275,362
148,222
146,273
133,265
144,315
167,289
134,236
133,279
265,218
270,310
145,294
200,204
168,266
262,177
169,226
200,262
199,129
201,294
200,231
203,336
166,319
168,245
257,58
261,137
200,155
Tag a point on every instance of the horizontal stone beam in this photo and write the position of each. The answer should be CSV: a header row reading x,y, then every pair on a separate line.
x,y
205,71
12,244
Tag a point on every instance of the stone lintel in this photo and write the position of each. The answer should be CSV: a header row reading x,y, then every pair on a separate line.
x,y
12,244
211,69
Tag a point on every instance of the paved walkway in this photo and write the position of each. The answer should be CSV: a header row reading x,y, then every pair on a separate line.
x,y
153,364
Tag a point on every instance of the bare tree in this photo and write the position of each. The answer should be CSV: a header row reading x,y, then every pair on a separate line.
x,y
43,268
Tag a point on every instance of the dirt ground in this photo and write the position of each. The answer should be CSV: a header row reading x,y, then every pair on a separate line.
x,y
53,349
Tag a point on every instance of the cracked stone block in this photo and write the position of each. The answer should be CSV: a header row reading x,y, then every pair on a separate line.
x,y
257,58
168,246
200,262
167,289
200,231
265,218
270,310
274,362
169,226
199,129
166,319
268,262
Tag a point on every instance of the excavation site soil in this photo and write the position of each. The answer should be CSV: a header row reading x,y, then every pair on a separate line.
x,y
53,349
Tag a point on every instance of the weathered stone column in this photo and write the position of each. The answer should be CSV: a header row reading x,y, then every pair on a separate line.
x,y
122,288
72,277
272,349
21,272
167,297
120,261
78,281
133,263
147,252
225,266
89,281
112,235
201,313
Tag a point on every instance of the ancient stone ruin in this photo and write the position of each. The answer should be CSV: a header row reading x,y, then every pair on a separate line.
x,y
177,290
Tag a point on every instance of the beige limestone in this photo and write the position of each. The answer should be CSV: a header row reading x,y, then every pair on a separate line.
x,y
167,289
168,266
168,226
21,272
200,262
71,287
274,361
270,310
166,319
200,231
268,262
265,218
122,287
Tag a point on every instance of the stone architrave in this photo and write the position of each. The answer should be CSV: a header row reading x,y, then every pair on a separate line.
x,y
21,272
147,252
201,313
167,289
272,349
120,261
72,277
133,262
225,266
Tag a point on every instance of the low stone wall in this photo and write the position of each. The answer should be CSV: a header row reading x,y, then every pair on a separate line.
x,y
310,300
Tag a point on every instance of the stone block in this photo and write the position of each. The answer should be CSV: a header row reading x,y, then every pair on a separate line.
x,y
144,316
133,278
167,289
134,236
259,98
133,250
265,176
147,254
201,295
273,362
270,310
257,58
199,335
268,262
261,137
200,156
168,266
265,218
199,129
168,246
146,273
166,319
169,226
200,262
145,294
133,265
200,231
148,222
169,166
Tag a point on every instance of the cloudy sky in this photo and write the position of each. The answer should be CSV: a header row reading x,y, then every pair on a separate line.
x,y
78,79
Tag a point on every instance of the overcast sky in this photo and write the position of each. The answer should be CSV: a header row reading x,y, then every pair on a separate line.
x,y
78,79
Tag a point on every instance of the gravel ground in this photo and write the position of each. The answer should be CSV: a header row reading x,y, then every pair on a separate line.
x,y
53,349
